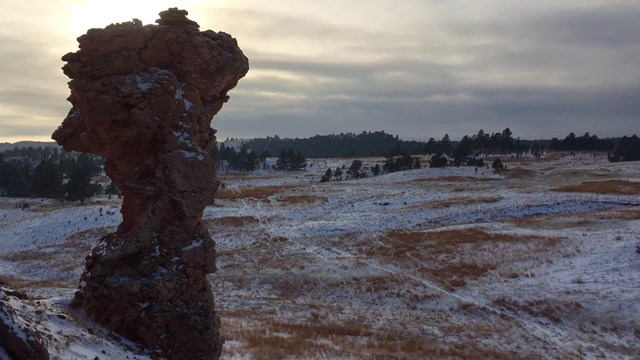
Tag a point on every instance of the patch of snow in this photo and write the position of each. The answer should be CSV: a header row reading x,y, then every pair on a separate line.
x,y
187,104
146,81
159,272
179,93
183,137
193,245
199,155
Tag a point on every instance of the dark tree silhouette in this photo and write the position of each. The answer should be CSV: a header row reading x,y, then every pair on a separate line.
x,y
46,180
438,160
628,149
355,169
497,165
80,187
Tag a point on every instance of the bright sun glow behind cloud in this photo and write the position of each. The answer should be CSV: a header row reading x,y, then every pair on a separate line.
x,y
99,13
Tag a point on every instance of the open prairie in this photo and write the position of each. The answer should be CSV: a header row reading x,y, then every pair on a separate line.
x,y
537,262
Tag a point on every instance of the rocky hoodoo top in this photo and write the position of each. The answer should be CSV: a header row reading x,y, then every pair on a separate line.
x,y
143,98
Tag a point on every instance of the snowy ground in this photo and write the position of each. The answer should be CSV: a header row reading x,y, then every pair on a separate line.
x,y
539,262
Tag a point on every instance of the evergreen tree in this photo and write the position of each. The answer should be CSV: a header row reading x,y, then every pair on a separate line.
x,y
354,169
337,174
79,187
46,180
289,160
283,161
497,165
15,179
462,151
112,189
298,162
438,160
628,149
445,145
376,170
507,142
327,176
431,147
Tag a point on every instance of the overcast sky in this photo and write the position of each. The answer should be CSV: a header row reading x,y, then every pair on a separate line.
x,y
416,68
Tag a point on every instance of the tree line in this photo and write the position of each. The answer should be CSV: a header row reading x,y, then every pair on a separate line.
x,y
379,143
50,173
227,158
471,148
335,145
628,149
585,142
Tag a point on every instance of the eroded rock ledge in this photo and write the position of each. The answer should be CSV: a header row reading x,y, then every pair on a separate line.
x,y
142,98
19,339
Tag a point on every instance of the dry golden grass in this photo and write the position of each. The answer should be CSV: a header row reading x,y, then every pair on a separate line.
x,y
453,257
624,214
265,338
259,192
560,221
455,274
20,283
519,173
454,202
555,222
445,240
66,256
619,187
539,308
302,199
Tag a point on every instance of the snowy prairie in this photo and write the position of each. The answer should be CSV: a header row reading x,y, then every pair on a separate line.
x,y
538,262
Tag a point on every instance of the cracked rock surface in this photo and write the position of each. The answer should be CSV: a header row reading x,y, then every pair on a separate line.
x,y
142,98
17,336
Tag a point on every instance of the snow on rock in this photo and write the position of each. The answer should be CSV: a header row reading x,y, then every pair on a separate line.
x,y
17,336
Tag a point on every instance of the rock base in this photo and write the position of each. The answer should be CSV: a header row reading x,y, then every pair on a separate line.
x,y
149,296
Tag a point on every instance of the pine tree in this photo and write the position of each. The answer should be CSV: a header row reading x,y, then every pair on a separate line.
x,y
376,170
497,165
112,189
337,174
298,162
46,180
354,169
283,161
79,186
438,160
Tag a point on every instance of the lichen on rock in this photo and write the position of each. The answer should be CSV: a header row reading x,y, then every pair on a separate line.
x,y
143,97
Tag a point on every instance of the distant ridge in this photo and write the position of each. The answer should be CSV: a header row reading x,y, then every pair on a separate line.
x,y
26,144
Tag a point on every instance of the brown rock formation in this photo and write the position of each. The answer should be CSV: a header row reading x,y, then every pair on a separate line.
x,y
17,337
143,98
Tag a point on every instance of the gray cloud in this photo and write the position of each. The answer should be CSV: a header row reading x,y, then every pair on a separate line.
x,y
544,73
606,26
417,68
33,90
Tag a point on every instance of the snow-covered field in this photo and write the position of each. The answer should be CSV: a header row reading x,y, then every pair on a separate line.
x,y
538,262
